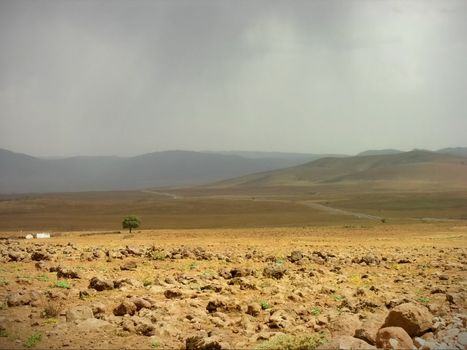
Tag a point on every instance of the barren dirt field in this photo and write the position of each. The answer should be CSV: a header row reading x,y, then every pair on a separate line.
x,y
341,286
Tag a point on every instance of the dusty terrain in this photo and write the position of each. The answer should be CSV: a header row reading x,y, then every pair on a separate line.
x,y
238,288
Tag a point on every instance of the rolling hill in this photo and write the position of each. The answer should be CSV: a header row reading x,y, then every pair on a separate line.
x,y
21,173
407,170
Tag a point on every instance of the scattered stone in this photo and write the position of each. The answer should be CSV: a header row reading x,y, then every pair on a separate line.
x,y
274,271
253,309
79,313
173,293
126,307
40,255
295,256
129,266
63,272
100,284
345,342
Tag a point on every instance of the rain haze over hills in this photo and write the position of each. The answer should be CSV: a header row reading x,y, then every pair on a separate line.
x,y
87,78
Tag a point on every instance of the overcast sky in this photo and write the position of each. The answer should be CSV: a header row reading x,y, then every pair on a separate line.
x,y
128,77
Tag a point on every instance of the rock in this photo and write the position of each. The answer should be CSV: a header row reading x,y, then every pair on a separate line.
x,y
253,309
98,310
143,326
241,272
274,271
39,255
295,256
414,319
345,342
129,266
345,324
17,256
79,313
63,272
100,284
368,331
200,343
127,282
23,298
279,319
221,305
93,324
462,339
173,293
141,303
125,308
393,338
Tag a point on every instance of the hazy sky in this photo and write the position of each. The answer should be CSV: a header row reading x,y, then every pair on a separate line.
x,y
127,77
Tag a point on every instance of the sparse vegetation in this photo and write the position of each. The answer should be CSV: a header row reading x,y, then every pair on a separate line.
x,y
62,284
424,300
264,305
338,297
33,340
130,222
159,255
289,342
155,344
315,311
51,310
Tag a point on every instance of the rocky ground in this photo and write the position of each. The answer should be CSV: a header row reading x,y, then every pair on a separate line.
x,y
296,289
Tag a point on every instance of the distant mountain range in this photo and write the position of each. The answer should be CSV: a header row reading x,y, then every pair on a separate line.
x,y
405,170
21,173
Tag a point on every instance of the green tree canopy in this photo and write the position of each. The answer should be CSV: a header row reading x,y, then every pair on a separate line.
x,y
131,221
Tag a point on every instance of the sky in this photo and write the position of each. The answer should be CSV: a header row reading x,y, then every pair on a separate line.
x,y
89,77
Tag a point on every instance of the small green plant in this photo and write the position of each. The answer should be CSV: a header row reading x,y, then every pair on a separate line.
x,y
158,255
42,278
3,333
193,266
147,282
315,311
155,344
62,284
280,261
289,342
338,297
33,340
264,305
4,282
424,300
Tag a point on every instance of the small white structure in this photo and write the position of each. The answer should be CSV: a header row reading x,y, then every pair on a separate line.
x,y
42,235
29,236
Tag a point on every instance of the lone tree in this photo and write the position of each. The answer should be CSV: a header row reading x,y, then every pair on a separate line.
x,y
131,222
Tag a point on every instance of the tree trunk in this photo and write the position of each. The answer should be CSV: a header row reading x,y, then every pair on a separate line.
x,y
130,229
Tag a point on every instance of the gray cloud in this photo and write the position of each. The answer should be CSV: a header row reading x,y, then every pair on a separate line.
x,y
127,77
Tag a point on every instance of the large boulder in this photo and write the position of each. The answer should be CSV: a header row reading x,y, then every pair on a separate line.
x,y
393,338
345,324
414,319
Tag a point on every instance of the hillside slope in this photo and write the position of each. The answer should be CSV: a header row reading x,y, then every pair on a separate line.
x,y
415,168
20,173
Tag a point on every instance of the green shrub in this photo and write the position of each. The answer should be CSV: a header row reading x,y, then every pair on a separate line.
x,y
289,342
315,311
33,340
62,284
265,305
